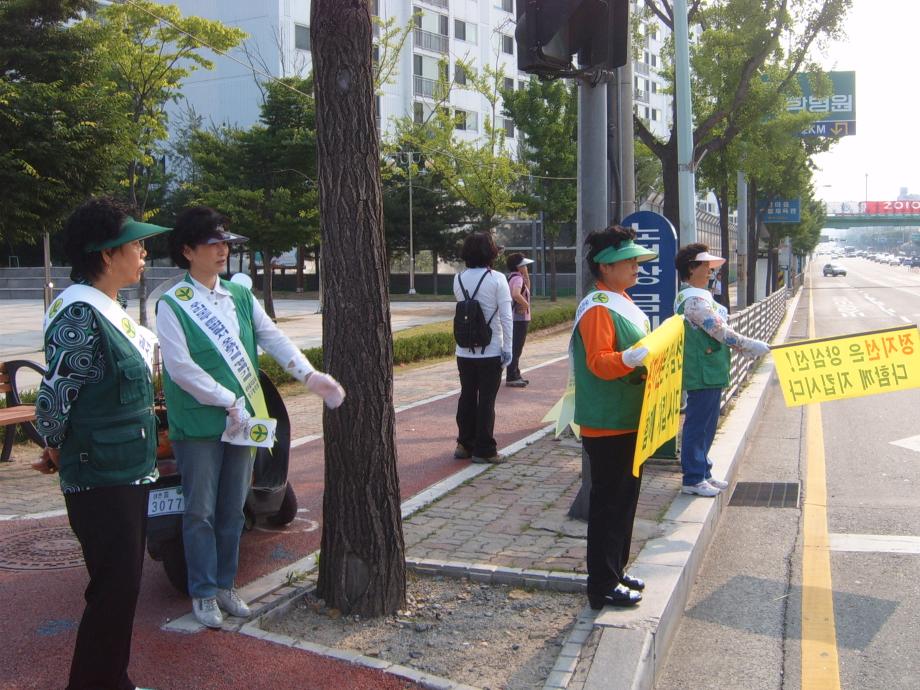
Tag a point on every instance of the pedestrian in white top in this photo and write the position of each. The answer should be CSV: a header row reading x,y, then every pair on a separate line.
x,y
481,368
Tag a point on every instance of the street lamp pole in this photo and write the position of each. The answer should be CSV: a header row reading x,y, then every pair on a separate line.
x,y
411,156
866,199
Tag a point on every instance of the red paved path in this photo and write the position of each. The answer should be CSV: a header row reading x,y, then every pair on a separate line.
x,y
41,609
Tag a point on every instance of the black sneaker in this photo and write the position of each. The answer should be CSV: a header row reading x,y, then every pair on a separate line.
x,y
618,596
516,383
496,459
461,453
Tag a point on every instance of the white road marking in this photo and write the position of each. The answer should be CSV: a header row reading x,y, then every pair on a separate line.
x,y
875,543
911,443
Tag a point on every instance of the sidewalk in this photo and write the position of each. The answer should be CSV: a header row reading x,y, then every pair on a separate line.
x,y
507,523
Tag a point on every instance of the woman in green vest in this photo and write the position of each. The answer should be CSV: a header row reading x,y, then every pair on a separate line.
x,y
95,412
209,332
708,342
608,401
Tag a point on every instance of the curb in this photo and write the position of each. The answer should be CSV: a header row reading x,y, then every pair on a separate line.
x,y
633,643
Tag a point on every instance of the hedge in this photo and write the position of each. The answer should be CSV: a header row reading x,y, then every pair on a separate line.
x,y
418,348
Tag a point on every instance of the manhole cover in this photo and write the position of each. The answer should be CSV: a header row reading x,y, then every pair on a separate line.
x,y
766,494
46,548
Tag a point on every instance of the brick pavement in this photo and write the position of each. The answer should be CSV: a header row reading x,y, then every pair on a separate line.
x,y
514,514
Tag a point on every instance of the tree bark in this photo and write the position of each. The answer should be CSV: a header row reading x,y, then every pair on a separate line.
x,y
267,272
362,569
553,296
722,197
434,271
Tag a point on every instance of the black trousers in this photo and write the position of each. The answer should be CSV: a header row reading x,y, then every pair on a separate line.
x,y
480,379
111,524
612,508
519,335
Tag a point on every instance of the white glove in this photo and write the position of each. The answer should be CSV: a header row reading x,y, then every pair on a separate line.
x,y
634,356
506,358
238,416
755,348
327,388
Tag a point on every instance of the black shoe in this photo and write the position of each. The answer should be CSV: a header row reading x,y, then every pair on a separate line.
x,y
461,453
496,459
632,582
516,383
618,596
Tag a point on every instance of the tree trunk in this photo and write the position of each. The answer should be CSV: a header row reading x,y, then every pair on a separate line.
x,y
253,271
267,272
552,268
722,275
301,250
362,569
671,189
752,247
434,271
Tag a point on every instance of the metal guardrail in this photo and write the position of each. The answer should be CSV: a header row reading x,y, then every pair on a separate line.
x,y
759,321
431,41
641,68
428,88
443,4
640,95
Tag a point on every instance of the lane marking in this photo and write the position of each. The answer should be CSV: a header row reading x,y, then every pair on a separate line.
x,y
820,663
875,543
911,443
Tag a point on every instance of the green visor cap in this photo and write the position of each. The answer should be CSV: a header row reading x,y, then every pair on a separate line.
x,y
626,250
130,230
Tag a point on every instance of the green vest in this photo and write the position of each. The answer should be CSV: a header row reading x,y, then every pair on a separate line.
x,y
615,404
189,420
707,362
112,431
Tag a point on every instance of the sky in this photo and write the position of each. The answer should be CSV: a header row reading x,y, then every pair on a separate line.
x,y
883,47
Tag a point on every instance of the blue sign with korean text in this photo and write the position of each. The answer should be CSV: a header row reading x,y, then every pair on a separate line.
x,y
780,211
657,288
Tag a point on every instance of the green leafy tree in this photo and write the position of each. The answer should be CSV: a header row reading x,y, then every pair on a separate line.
x,y
546,113
263,178
62,127
150,49
741,43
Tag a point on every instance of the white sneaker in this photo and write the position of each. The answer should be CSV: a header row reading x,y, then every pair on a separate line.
x,y
207,613
718,483
230,602
704,488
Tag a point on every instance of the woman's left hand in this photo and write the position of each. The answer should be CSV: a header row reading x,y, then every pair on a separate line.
x,y
49,462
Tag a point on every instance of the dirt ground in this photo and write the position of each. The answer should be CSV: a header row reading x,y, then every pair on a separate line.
x,y
488,636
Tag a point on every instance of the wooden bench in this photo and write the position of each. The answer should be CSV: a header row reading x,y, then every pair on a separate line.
x,y
16,413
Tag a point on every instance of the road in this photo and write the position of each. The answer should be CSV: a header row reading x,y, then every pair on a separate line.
x,y
743,625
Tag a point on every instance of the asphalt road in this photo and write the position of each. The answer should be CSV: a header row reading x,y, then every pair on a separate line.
x,y
743,624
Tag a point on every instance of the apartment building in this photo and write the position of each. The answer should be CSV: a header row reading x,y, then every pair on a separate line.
x,y
445,34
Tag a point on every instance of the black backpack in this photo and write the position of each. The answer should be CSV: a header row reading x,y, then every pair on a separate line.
x,y
471,330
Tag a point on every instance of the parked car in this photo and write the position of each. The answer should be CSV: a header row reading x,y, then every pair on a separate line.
x,y
834,270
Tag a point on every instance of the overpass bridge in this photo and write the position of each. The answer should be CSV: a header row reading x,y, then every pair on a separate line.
x,y
871,220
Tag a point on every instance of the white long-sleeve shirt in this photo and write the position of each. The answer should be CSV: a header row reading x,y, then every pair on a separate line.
x,y
196,381
494,298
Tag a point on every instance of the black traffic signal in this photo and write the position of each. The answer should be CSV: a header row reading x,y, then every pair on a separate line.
x,y
550,32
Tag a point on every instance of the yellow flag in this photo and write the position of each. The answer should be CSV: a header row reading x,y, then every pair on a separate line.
x,y
848,366
660,417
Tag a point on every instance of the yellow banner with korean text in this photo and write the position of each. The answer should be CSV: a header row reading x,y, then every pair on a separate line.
x,y
848,366
660,417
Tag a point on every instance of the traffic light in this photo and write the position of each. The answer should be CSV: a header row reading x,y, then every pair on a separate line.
x,y
550,32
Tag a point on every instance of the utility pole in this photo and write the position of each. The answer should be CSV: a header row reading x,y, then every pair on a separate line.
x,y
620,123
592,172
686,168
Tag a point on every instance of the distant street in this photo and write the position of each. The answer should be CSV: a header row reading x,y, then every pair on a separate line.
x,y
742,626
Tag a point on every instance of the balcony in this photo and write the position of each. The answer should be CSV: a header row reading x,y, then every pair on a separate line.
x,y
430,41
641,68
428,88
640,95
443,4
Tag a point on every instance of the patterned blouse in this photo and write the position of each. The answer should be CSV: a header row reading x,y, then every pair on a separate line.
x,y
700,312
74,357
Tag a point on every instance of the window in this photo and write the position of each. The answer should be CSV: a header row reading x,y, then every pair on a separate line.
x,y
465,31
442,24
654,62
508,44
375,53
459,74
654,114
654,87
509,127
506,5
509,84
417,68
418,113
466,121
301,37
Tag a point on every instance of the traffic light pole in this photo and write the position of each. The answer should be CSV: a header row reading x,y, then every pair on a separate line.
x,y
592,173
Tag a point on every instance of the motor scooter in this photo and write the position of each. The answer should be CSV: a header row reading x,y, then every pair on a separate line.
x,y
271,496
